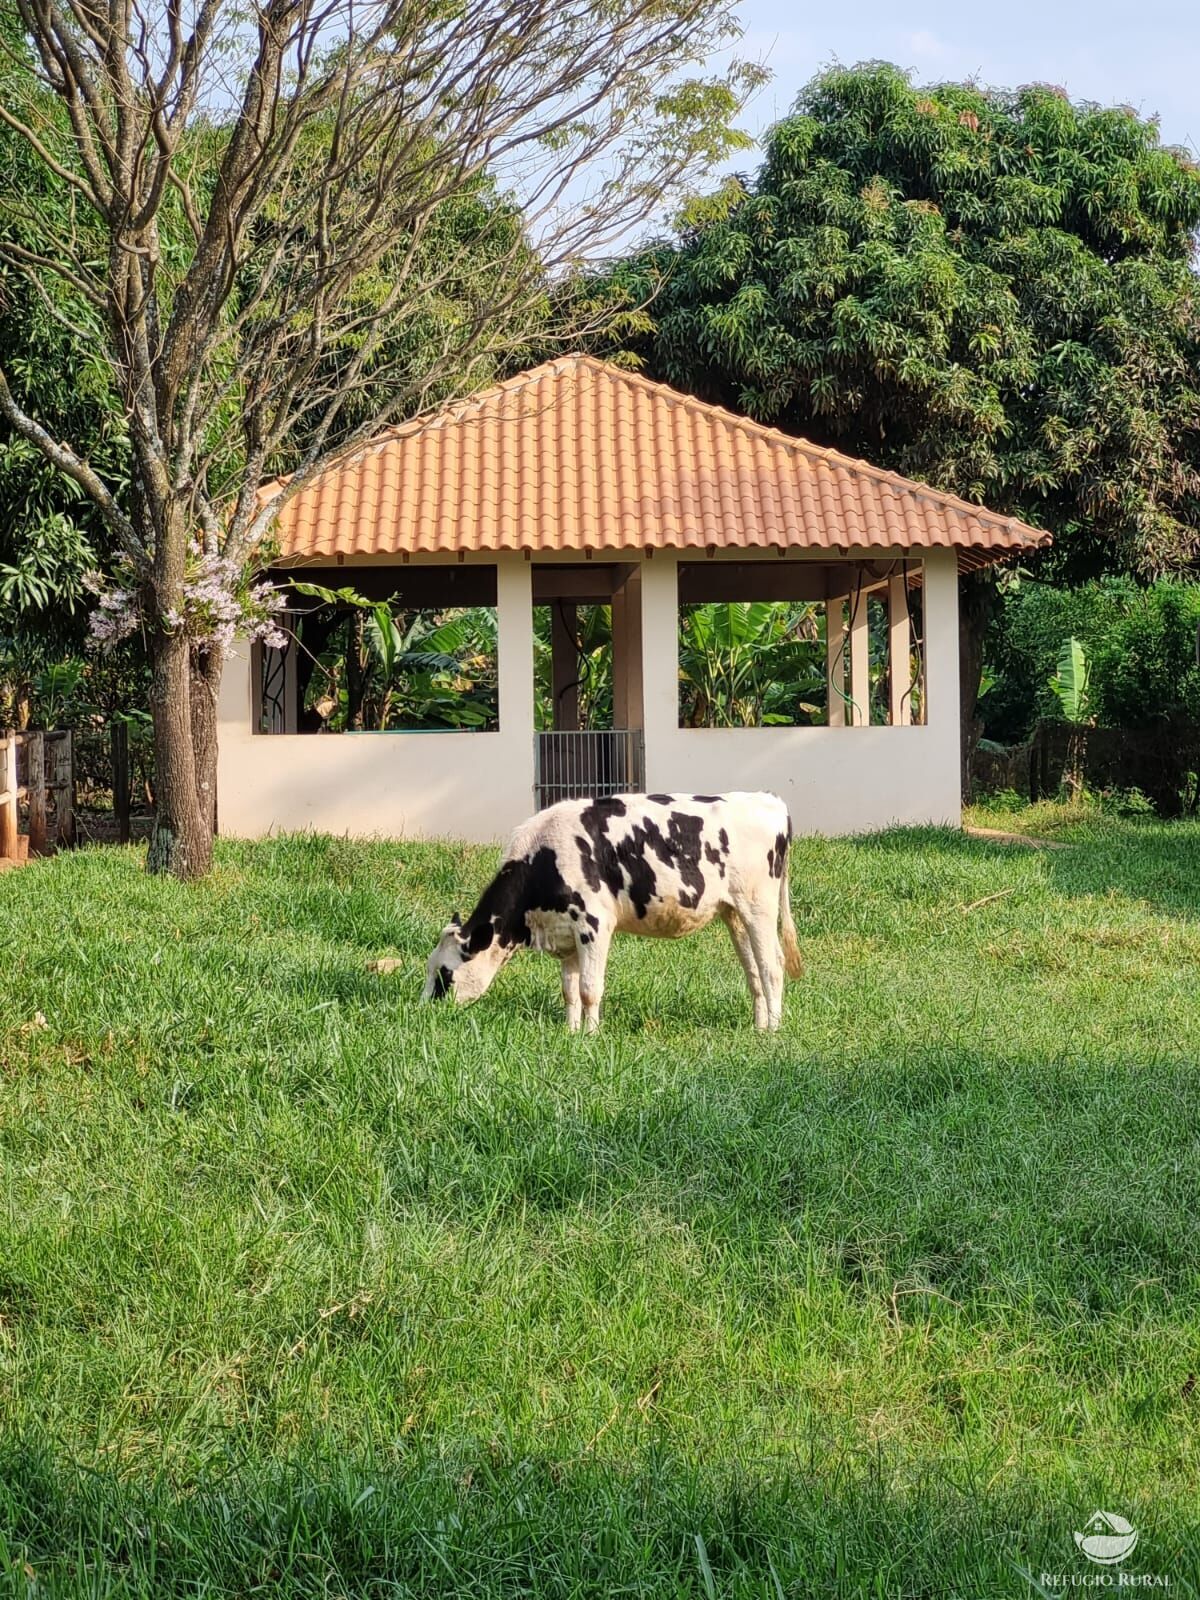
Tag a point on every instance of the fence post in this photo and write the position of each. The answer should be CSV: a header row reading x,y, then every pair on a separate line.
x,y
8,795
35,789
64,787
119,736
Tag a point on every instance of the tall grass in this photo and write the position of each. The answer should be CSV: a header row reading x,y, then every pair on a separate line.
x,y
307,1288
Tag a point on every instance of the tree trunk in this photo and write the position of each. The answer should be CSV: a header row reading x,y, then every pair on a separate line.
x,y
205,675
182,842
977,601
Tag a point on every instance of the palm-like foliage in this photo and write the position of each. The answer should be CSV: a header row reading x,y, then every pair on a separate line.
x,y
750,664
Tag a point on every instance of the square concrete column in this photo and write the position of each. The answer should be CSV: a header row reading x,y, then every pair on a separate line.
x,y
835,661
660,656
514,650
564,665
941,640
899,653
860,661
627,651
941,738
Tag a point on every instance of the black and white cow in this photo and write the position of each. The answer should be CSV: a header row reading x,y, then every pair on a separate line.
x,y
656,864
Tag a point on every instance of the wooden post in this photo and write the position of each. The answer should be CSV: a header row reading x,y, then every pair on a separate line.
x,y
35,788
627,651
860,661
564,665
8,795
119,736
899,653
835,661
62,765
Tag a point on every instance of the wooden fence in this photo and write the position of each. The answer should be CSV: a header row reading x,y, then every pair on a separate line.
x,y
1161,761
37,769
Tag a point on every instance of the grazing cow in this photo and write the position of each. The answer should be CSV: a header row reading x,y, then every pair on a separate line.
x,y
656,864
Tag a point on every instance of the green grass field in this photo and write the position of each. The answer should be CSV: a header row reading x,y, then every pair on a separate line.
x,y
308,1289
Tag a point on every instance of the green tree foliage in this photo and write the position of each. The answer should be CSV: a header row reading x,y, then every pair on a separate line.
x,y
989,291
270,189
1139,645
750,665
50,533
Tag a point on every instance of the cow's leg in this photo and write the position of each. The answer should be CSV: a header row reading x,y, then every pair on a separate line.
x,y
739,933
570,989
593,960
761,919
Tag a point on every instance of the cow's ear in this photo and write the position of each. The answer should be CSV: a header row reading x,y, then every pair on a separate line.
x,y
456,920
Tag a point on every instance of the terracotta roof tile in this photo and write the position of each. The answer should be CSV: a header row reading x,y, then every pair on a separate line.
x,y
579,455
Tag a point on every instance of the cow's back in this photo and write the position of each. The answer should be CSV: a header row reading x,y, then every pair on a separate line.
x,y
661,863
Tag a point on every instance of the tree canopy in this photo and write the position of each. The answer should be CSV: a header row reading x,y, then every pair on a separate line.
x,y
287,228
50,533
990,291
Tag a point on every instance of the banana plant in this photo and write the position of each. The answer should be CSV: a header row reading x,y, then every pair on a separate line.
x,y
434,672
1070,681
749,664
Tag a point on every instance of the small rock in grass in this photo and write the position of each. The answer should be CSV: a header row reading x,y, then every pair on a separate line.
x,y
384,965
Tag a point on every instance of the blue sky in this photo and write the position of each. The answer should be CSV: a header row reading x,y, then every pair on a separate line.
x,y
1145,54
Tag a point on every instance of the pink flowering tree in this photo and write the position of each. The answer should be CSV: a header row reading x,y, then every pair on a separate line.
x,y
249,230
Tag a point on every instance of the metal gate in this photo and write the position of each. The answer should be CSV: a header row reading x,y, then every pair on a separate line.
x,y
581,765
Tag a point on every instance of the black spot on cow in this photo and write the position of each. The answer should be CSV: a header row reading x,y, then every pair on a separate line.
x,y
718,853
597,815
586,938
533,883
587,862
625,866
620,867
593,921
662,799
684,852
777,857
443,983
707,799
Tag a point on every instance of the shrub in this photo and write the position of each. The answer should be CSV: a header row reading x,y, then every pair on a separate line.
x,y
1144,668
1140,643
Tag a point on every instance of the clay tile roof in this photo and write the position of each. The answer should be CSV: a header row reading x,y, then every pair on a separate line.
x,y
578,455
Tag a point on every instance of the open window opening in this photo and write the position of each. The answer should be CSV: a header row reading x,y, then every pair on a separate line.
x,y
385,650
800,644
572,665
751,664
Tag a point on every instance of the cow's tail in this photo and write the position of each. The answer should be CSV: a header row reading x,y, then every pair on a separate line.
x,y
792,959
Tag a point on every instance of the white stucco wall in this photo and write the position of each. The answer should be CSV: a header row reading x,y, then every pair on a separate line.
x,y
474,786
478,786
834,780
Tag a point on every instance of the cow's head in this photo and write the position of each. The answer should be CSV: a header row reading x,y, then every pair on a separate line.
x,y
463,963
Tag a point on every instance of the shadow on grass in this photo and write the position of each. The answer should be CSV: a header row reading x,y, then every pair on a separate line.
x,y
1154,863
489,1524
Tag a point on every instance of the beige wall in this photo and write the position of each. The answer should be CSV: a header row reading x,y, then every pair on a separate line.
x,y
473,786
478,786
834,780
